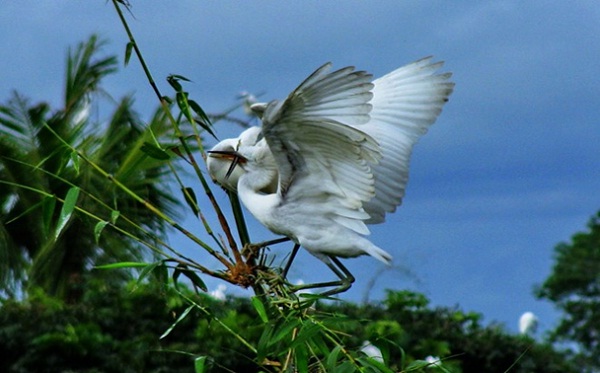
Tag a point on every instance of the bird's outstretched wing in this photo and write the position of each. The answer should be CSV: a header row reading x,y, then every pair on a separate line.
x,y
405,103
321,159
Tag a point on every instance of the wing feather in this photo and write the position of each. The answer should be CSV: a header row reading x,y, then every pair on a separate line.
x,y
322,160
406,102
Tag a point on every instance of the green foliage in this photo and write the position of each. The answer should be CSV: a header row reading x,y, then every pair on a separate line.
x,y
54,209
45,334
574,286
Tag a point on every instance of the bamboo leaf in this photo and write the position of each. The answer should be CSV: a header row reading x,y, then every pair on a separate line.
x,y
122,265
301,358
179,319
66,211
154,151
98,228
332,358
200,364
260,309
48,206
114,215
75,161
196,280
190,199
148,269
128,49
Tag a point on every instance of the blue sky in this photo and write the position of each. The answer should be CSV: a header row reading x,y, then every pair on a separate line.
x,y
508,171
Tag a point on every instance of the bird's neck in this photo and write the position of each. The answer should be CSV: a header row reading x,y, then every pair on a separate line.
x,y
261,205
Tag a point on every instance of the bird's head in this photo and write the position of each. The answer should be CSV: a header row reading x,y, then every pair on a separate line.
x,y
223,164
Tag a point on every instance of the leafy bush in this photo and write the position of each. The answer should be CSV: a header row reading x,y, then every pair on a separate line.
x,y
118,330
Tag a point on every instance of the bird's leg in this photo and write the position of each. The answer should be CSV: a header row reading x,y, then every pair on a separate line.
x,y
345,282
290,260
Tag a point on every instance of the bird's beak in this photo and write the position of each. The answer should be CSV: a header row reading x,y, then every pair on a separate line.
x,y
235,157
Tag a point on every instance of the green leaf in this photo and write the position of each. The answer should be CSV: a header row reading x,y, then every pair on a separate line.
x,y
128,49
48,205
122,265
285,330
173,80
154,151
301,358
200,364
190,198
418,364
332,358
196,280
179,319
260,309
114,215
182,103
374,364
198,110
162,274
148,269
191,275
66,211
204,121
75,161
98,229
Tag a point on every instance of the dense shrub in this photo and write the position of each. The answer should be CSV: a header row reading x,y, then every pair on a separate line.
x,y
119,329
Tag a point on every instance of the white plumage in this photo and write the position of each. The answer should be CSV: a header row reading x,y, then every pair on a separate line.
x,y
528,323
338,148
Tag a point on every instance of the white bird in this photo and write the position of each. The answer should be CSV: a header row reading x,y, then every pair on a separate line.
x,y
372,351
339,148
528,323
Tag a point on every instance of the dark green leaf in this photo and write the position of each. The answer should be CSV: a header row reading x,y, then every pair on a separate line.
x,y
154,151
75,161
332,358
286,330
173,80
198,110
196,280
301,358
48,206
148,269
128,49
66,211
190,199
182,103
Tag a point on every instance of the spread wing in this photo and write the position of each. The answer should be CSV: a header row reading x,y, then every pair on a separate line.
x,y
405,103
321,158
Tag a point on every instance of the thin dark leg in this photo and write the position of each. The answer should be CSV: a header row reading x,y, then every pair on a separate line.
x,y
345,282
290,260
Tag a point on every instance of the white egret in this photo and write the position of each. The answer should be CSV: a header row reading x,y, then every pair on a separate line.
x,y
372,351
528,323
339,148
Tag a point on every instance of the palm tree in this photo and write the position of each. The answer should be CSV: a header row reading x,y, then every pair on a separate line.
x,y
34,159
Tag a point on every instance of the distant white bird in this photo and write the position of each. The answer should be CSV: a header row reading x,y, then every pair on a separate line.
x,y
434,361
372,351
339,148
528,323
